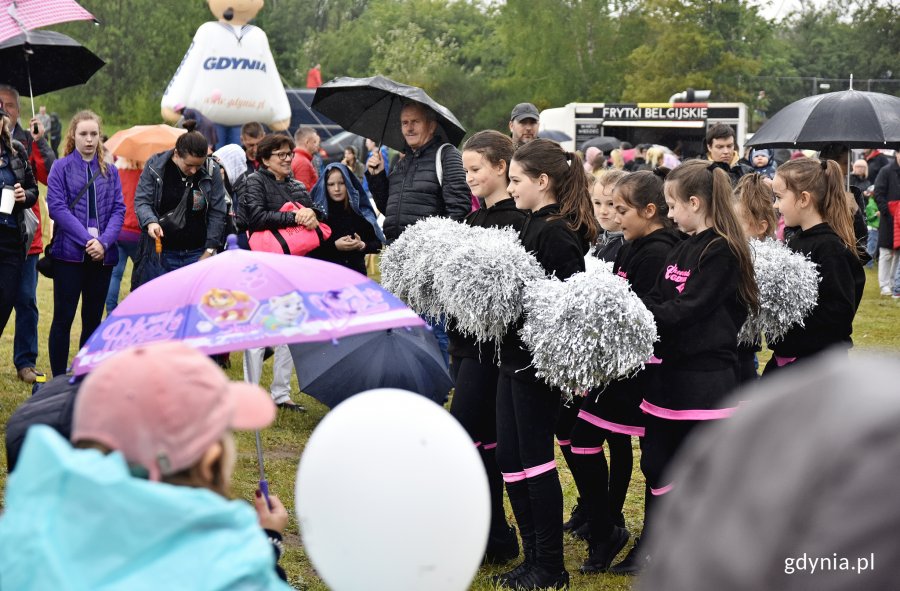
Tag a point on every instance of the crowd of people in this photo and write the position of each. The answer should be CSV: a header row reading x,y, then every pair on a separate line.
x,y
679,233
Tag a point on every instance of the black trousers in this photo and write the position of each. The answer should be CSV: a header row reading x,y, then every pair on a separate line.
x,y
526,419
87,282
12,257
475,407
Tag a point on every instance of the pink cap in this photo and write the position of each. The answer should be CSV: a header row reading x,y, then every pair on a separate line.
x,y
163,405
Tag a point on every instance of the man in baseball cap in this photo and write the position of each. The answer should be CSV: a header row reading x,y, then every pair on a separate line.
x,y
523,123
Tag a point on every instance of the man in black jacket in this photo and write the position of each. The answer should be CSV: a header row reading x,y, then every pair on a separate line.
x,y
887,191
414,190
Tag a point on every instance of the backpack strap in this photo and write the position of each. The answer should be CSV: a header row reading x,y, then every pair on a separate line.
x,y
439,165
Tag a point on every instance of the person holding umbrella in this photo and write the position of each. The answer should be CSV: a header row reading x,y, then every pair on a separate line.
x,y
84,198
41,157
415,190
20,192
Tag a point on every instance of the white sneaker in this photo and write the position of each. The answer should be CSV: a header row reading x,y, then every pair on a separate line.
x,y
885,291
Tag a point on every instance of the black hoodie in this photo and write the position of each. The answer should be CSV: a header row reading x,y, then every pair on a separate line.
x,y
503,214
696,306
560,251
840,291
642,261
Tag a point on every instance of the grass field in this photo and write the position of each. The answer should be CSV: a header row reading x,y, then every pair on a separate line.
x,y
877,327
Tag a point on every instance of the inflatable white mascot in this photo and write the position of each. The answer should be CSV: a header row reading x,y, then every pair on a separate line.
x,y
229,75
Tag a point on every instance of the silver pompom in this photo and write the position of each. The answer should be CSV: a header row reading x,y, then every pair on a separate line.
x,y
480,282
586,331
409,263
788,291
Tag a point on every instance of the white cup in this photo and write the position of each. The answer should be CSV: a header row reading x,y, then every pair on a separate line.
x,y
8,201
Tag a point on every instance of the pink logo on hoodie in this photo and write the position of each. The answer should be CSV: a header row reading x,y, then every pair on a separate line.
x,y
676,275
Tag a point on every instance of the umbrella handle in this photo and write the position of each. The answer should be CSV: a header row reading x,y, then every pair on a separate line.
x,y
264,488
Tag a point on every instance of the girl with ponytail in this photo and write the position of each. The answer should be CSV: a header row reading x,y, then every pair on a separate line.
x,y
700,301
552,186
809,193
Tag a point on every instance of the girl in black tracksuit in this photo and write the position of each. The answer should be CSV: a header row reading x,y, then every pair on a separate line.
x,y
486,156
605,248
753,204
699,302
613,412
809,193
552,185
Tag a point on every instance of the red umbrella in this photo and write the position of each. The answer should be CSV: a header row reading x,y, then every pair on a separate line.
x,y
19,16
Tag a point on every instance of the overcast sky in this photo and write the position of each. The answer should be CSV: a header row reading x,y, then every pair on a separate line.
x,y
778,9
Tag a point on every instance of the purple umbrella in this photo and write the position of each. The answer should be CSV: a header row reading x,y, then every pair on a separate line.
x,y
241,299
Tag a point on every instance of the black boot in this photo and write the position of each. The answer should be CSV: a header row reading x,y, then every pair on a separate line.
x,y
541,578
545,494
633,563
603,549
502,546
577,518
521,506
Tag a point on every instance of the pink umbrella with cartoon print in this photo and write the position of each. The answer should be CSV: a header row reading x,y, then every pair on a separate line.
x,y
241,299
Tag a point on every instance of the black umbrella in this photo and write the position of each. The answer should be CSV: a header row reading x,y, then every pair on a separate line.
x,y
607,143
38,62
370,107
398,358
853,118
555,135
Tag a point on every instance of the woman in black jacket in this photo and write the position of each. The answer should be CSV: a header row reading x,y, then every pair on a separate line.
x,y
266,191
15,177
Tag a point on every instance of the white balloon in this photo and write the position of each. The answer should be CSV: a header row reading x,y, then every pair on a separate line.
x,y
391,494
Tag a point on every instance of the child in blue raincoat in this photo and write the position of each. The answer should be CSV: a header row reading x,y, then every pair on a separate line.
x,y
351,217
140,502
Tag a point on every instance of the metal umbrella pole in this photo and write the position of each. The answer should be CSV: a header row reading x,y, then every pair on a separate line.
x,y
263,483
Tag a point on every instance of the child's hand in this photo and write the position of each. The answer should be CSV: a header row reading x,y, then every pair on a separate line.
x,y
276,518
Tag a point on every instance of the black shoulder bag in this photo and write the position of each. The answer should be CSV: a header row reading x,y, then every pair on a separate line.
x,y
45,265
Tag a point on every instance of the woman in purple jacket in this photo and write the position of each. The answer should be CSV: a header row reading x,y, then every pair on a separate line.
x,y
86,228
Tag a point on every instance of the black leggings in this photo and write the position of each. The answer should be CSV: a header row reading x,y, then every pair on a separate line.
x,y
526,417
87,282
475,407
12,258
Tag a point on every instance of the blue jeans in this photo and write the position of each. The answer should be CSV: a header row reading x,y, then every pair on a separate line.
x,y
127,250
176,259
25,344
872,246
439,328
227,135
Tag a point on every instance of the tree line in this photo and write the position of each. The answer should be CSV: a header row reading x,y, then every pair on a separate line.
x,y
480,57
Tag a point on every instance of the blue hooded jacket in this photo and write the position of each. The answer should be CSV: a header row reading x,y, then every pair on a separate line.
x,y
359,200
78,520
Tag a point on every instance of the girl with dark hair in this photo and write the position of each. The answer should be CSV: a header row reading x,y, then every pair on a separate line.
x,y
551,184
265,192
180,200
486,156
699,302
354,226
84,199
15,177
613,414
809,194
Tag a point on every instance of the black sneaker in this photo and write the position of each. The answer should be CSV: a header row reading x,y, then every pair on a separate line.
x,y
602,552
633,563
537,577
509,578
576,519
502,548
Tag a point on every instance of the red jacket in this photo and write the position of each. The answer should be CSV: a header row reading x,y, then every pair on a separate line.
x,y
303,168
131,229
313,78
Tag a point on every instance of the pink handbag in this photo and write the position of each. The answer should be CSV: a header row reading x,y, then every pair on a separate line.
x,y
295,240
